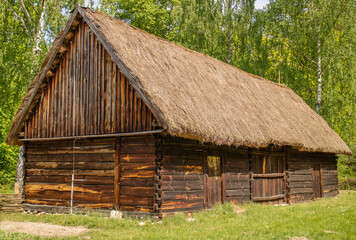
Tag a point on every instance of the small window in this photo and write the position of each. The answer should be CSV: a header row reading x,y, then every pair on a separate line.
x,y
213,166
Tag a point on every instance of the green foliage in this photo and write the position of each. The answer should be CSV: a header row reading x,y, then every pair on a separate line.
x,y
282,43
330,218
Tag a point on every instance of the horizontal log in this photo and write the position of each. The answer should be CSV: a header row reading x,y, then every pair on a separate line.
x,y
69,143
301,190
179,205
331,181
182,155
80,157
138,140
179,168
237,184
68,179
77,196
182,195
136,182
138,174
136,201
269,198
138,166
300,178
136,208
39,172
137,158
67,203
193,170
238,192
307,184
179,186
33,187
69,165
145,149
268,175
178,178
137,191
237,177
70,150
301,172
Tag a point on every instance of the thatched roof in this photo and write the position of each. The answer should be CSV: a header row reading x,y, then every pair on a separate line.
x,y
198,97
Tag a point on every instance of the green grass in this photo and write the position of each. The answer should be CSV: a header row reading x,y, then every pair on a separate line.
x,y
331,218
7,188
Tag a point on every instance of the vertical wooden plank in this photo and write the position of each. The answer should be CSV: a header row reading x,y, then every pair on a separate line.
x,y
86,73
113,90
108,93
48,96
91,85
130,107
117,174
80,85
95,85
134,115
118,97
143,124
127,117
99,89
122,102
139,110
52,105
64,95
103,84
149,119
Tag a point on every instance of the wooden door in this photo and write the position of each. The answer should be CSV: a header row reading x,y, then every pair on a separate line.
x,y
317,181
213,181
268,178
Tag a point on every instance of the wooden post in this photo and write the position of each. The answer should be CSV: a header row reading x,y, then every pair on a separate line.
x,y
117,174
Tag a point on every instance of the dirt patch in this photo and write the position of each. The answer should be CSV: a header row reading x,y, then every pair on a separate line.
x,y
41,229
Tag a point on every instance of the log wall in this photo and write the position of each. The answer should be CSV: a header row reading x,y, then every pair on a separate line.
x,y
181,175
87,94
48,173
137,166
300,179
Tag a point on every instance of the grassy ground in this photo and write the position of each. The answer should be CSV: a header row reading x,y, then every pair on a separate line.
x,y
332,218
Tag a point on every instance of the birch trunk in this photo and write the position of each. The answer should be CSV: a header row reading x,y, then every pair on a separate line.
x,y
319,85
38,36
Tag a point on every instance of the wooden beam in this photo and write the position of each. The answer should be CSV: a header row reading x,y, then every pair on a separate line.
x,y
117,174
95,136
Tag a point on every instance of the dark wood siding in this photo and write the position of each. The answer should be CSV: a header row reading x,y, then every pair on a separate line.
x,y
49,167
181,178
137,173
300,175
237,177
87,95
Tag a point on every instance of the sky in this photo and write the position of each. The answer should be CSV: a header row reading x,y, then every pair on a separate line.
x,y
259,4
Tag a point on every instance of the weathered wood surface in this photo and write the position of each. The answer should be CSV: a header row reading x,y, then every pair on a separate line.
x,y
10,203
300,174
268,174
87,95
137,173
49,168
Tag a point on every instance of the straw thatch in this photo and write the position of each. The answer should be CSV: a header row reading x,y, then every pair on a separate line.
x,y
199,97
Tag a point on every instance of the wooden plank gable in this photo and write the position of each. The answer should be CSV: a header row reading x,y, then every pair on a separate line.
x,y
87,95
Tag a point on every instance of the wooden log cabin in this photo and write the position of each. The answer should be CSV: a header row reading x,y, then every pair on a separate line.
x,y
149,127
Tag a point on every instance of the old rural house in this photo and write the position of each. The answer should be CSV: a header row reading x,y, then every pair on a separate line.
x,y
146,126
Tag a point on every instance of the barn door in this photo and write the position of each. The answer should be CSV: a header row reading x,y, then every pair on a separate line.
x,y
268,178
212,181
317,181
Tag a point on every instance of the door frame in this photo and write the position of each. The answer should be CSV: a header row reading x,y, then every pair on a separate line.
x,y
205,176
320,180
